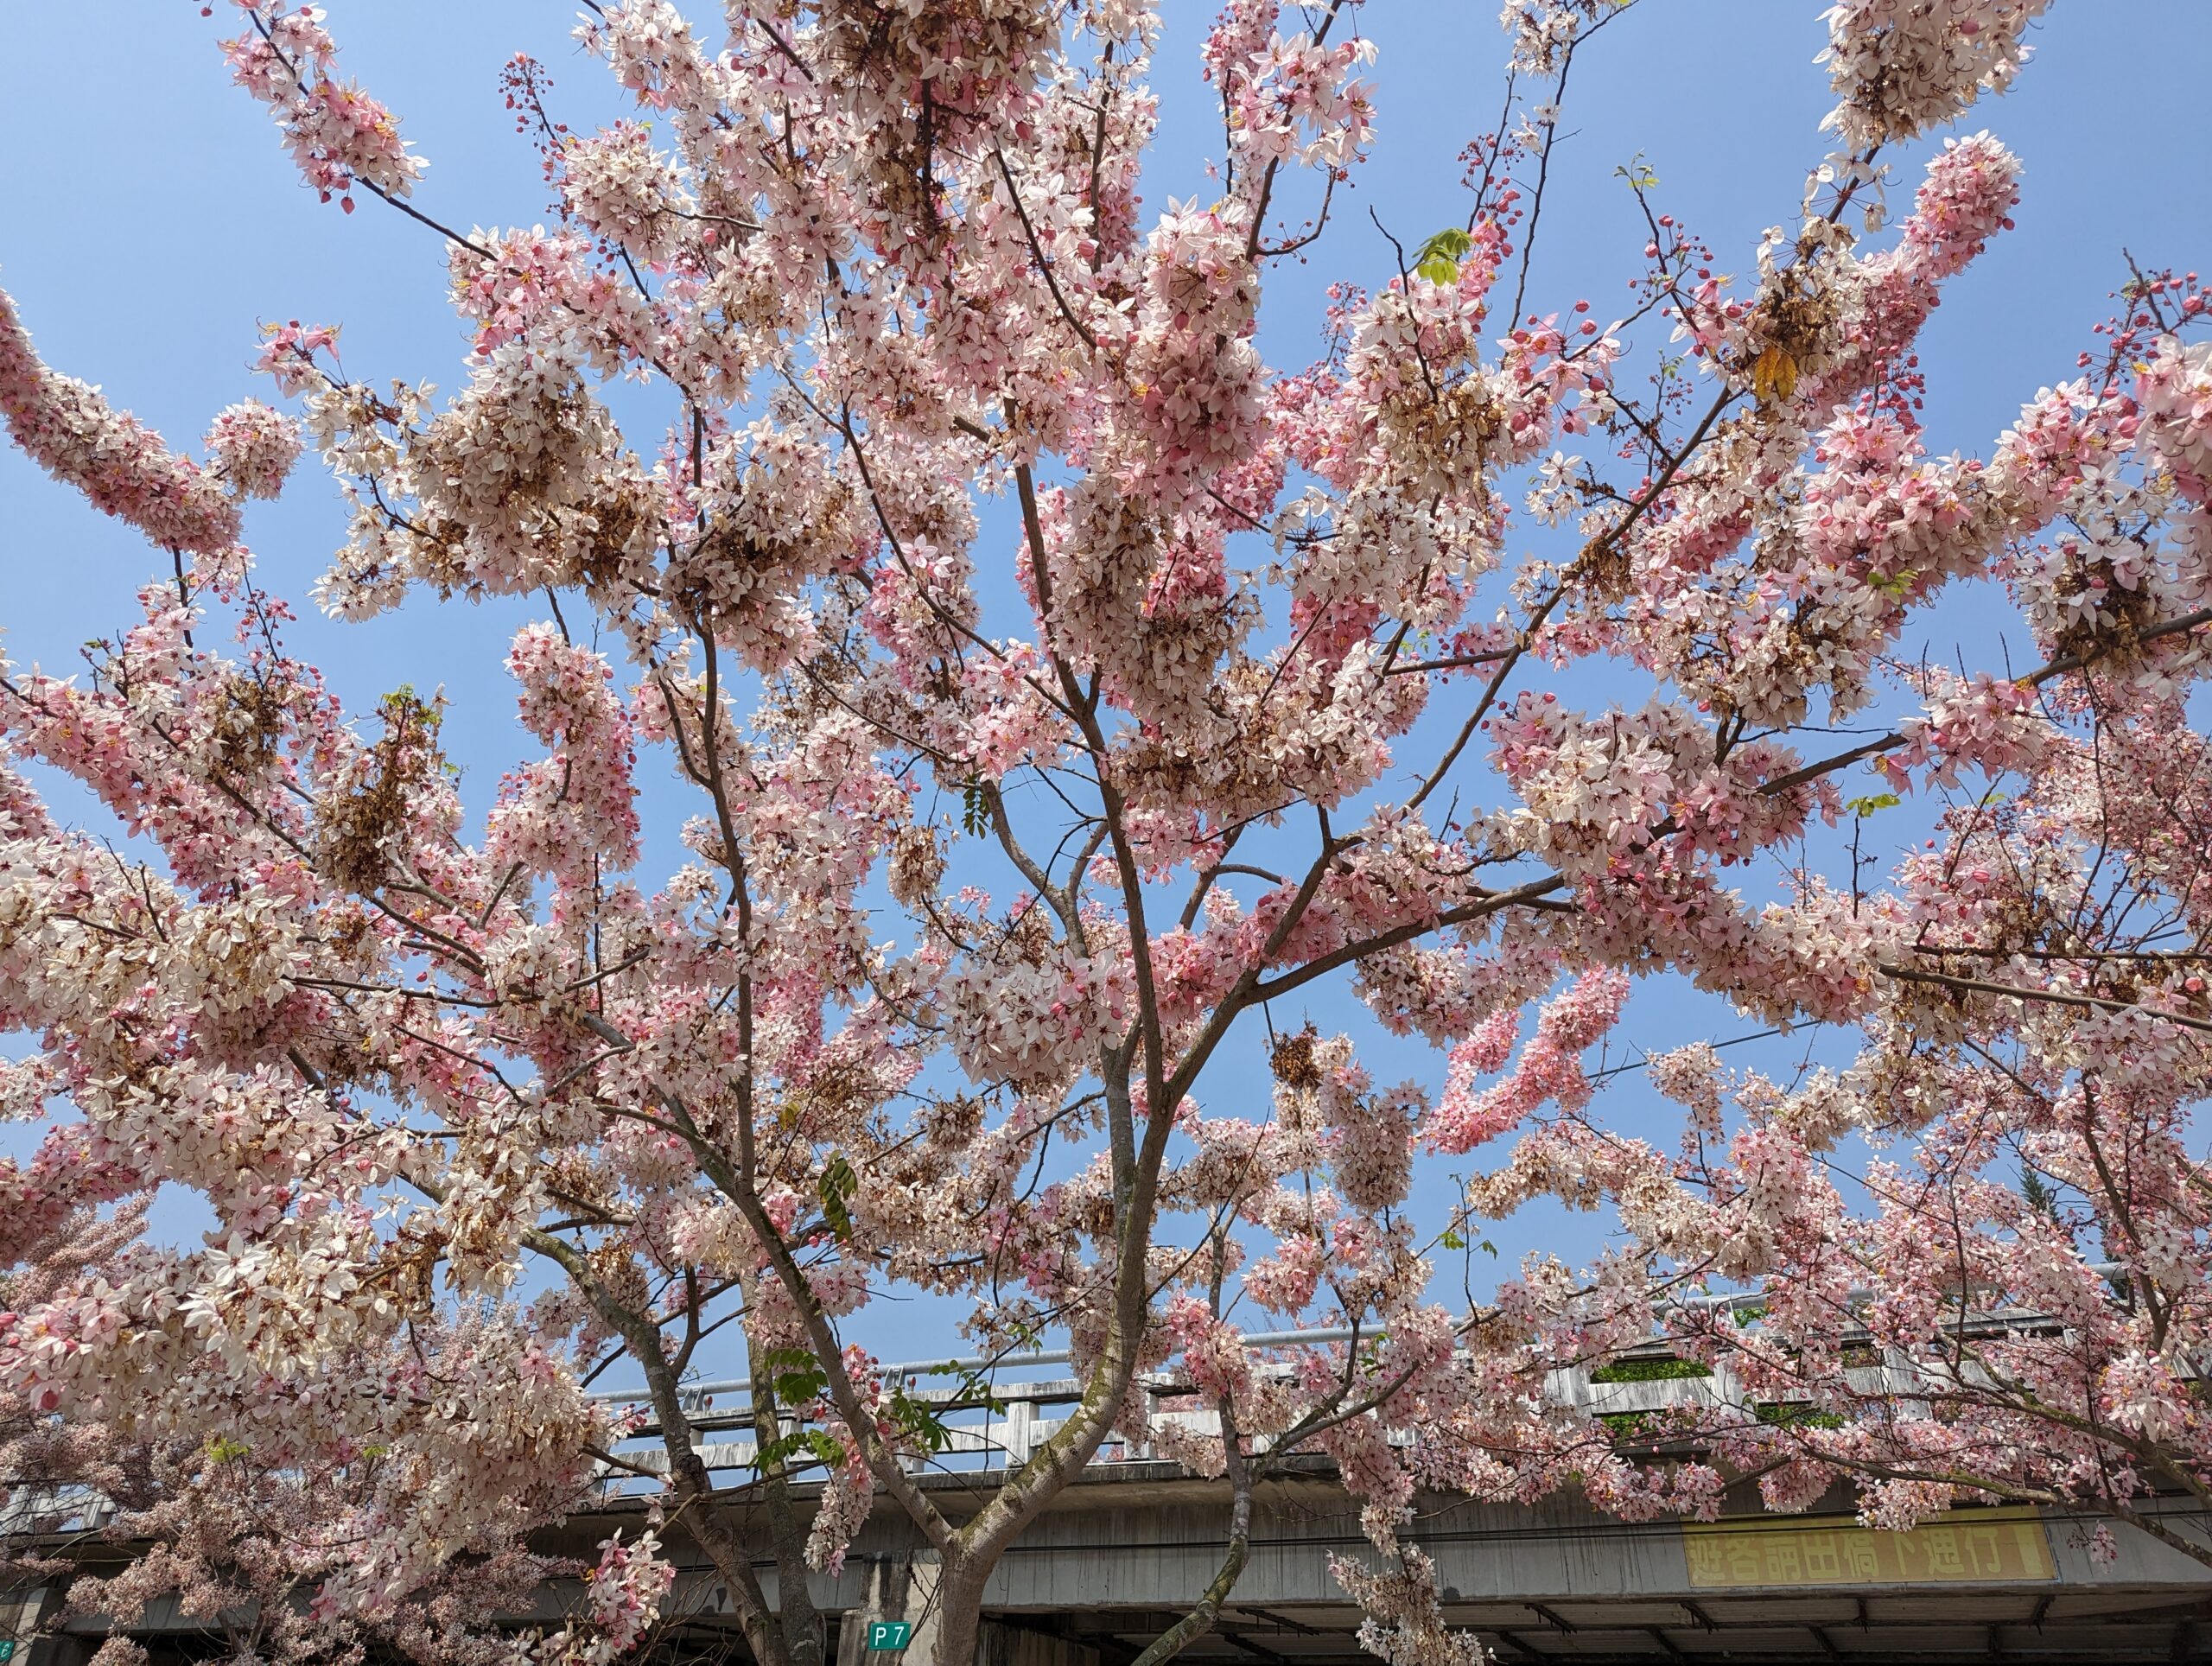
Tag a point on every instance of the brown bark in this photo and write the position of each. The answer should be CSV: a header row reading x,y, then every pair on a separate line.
x,y
694,1489
800,1622
1207,1610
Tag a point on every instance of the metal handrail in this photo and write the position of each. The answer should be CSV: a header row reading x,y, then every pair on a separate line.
x,y
1317,1337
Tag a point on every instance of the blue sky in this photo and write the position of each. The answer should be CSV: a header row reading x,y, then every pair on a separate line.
x,y
150,222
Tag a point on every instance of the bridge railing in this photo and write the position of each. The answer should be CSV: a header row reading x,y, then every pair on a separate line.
x,y
1007,1421
1003,1426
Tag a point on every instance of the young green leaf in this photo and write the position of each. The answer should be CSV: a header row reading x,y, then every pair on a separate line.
x,y
975,807
1438,259
836,1186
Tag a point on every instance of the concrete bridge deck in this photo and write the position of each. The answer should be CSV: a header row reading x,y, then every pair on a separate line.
x,y
1119,1556
1115,1560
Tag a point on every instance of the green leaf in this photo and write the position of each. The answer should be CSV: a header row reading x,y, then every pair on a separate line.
x,y
1795,1414
919,1421
1438,259
1452,1241
223,1450
783,1450
1893,585
837,1184
1647,1371
1867,805
797,1388
975,806
1638,174
817,1444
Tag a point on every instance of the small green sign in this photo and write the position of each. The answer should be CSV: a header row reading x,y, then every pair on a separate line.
x,y
7,1649
884,1636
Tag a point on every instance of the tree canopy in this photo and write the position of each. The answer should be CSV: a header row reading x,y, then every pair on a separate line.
x,y
1047,689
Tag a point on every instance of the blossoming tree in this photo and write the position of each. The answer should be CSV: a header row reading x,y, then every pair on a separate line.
x,y
1044,688
2030,1279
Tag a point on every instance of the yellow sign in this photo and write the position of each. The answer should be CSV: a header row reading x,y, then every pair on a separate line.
x,y
1974,1546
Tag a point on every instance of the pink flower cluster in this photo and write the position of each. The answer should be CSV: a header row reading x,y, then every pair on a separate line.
x,y
1905,66
969,969
1550,1071
337,133
120,465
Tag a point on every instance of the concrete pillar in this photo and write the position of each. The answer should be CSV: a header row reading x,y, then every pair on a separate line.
x,y
906,1588
897,1588
923,1573
1019,1414
21,1613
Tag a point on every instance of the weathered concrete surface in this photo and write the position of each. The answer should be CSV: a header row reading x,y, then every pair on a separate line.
x,y
1115,1559
1118,1557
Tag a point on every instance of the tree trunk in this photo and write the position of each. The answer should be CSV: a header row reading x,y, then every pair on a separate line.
x,y
1207,1610
731,1560
795,1611
959,1613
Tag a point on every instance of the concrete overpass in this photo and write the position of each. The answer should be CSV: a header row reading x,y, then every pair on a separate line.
x,y
1114,1561
1117,1558
1120,1556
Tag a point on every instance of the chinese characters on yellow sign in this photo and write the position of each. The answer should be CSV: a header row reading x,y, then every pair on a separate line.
x,y
1977,1546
